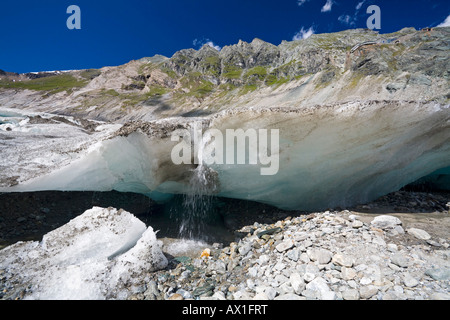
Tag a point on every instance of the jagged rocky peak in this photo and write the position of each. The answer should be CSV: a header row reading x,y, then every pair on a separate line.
x,y
325,68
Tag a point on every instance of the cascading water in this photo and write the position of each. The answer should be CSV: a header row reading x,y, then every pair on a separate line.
x,y
197,205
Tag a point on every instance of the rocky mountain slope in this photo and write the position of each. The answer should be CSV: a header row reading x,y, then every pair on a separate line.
x,y
323,69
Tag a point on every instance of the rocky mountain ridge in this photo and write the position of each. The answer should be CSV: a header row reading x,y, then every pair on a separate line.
x,y
325,68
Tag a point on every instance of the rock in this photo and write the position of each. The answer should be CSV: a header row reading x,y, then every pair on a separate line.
x,y
297,282
285,245
409,280
357,224
263,259
309,276
152,291
350,294
205,290
320,287
322,256
379,241
289,296
348,273
342,260
390,296
400,260
271,293
419,233
261,296
244,249
184,293
440,296
293,254
439,273
253,272
176,296
219,295
433,243
385,222
392,247
367,292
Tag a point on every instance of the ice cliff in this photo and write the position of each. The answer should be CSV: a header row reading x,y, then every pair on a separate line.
x,y
329,156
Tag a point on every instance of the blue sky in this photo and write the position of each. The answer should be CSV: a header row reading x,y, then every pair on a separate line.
x,y
34,35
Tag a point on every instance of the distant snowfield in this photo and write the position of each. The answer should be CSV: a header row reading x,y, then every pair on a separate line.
x,y
91,257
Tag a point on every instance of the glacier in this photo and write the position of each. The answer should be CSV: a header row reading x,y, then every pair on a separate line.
x,y
333,155
93,257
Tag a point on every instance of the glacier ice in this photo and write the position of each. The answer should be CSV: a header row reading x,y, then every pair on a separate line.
x,y
329,156
90,257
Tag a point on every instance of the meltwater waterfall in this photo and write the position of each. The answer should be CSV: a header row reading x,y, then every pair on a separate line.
x,y
196,205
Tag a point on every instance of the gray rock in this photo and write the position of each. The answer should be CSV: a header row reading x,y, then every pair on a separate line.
x,y
357,224
285,245
271,293
392,247
348,273
368,292
342,260
309,276
320,287
440,296
400,260
289,296
152,291
322,256
439,273
390,296
261,296
385,222
297,282
293,254
263,259
185,294
419,233
350,294
409,280
245,248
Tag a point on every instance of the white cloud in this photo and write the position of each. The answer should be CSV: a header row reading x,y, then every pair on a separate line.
x,y
200,43
359,5
301,2
327,6
445,23
304,34
346,19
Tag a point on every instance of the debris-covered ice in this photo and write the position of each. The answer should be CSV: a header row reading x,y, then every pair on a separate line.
x,y
91,257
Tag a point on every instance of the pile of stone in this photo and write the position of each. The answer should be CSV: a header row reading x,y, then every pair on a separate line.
x,y
328,255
